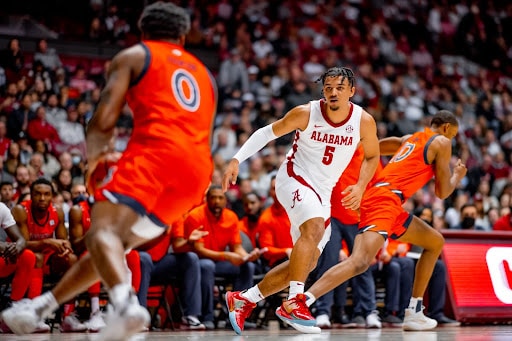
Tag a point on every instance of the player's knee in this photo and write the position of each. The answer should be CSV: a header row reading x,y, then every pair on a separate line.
x,y
27,259
313,231
436,242
207,268
360,267
360,264
95,239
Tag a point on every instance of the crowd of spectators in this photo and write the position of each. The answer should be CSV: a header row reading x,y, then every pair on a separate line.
x,y
410,58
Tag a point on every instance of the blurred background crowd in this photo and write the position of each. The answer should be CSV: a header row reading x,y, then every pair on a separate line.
x,y
411,58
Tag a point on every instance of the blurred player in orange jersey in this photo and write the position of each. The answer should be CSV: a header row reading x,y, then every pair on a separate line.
x,y
417,158
173,99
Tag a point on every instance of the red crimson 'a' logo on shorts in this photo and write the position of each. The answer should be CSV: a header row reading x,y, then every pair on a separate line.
x,y
296,197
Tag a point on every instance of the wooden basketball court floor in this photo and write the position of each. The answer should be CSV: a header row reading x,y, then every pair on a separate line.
x,y
465,333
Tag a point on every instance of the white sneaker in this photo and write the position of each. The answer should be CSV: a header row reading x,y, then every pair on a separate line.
x,y
323,321
71,324
304,329
417,320
191,323
96,322
123,322
22,318
42,327
373,320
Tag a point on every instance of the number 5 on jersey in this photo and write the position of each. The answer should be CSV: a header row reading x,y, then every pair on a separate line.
x,y
328,155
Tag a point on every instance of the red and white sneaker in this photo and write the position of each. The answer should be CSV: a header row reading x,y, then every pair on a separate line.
x,y
239,309
296,311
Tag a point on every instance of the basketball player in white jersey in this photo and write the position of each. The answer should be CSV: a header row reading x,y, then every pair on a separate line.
x,y
328,132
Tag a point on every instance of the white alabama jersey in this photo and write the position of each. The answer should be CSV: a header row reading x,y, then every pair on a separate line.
x,y
324,149
6,218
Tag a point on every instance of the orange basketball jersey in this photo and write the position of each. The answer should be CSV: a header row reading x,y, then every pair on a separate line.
x,y
349,177
167,164
173,101
409,169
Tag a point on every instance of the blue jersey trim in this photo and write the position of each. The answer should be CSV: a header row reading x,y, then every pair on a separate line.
x,y
147,61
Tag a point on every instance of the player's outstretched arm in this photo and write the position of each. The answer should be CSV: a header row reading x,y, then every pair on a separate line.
x,y
297,118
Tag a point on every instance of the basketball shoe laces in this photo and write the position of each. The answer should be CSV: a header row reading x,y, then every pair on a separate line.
x,y
297,307
243,306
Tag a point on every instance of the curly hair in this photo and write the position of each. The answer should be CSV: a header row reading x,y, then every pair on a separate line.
x,y
337,71
164,20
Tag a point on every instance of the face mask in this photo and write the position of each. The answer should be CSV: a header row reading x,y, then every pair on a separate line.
x,y
76,159
79,198
468,222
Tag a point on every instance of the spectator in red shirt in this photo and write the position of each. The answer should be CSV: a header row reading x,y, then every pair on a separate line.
x,y
504,223
5,142
40,129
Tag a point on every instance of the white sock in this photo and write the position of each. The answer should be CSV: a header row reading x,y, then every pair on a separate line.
x,y
310,298
119,294
128,271
253,294
416,304
45,304
296,288
95,304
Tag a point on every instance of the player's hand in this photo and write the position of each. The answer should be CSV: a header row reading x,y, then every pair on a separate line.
x,y
460,169
61,246
10,252
401,249
385,257
230,174
105,161
352,197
